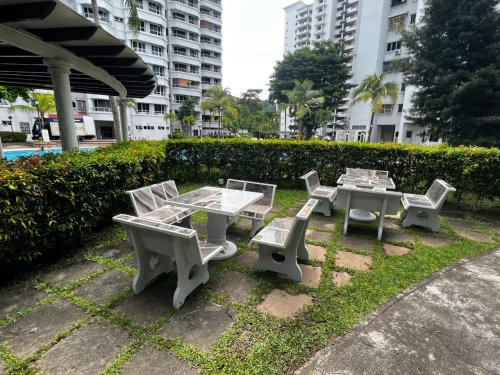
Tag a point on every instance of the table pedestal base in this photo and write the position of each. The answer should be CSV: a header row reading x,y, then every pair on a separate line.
x,y
216,232
361,215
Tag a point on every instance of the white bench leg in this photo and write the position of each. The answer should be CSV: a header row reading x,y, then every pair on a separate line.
x,y
256,225
231,220
323,206
302,250
431,221
186,285
288,267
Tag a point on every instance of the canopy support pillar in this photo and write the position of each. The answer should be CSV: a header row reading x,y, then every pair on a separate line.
x,y
123,117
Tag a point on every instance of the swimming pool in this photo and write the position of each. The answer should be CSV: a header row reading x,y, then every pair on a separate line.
x,y
14,154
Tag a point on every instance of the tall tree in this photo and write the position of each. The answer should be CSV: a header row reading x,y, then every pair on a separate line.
x,y
187,108
322,117
46,104
12,93
373,89
304,98
219,101
455,66
169,119
251,99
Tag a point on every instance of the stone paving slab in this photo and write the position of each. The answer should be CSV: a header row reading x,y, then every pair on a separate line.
x,y
154,362
474,236
357,243
3,369
452,214
87,352
397,237
237,236
340,278
66,276
311,276
117,250
352,260
244,223
247,259
281,304
276,208
315,235
237,285
394,225
322,224
293,210
299,204
461,224
199,323
200,228
317,252
435,241
446,324
37,328
396,250
19,298
149,305
104,287
495,228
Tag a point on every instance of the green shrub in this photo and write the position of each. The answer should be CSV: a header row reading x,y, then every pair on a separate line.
x,y
413,168
13,137
50,198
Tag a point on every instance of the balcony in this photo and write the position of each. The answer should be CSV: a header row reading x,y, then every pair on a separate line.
x,y
184,24
100,109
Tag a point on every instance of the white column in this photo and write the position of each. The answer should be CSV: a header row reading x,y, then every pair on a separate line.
x,y
60,71
123,118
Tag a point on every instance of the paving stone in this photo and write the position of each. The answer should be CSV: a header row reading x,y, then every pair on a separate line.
x,y
200,228
356,243
244,223
146,307
314,235
495,228
3,368
340,278
311,276
452,214
238,285
28,333
19,297
429,230
283,305
87,352
132,263
397,237
317,252
102,288
276,208
117,250
396,250
237,236
199,323
248,259
394,225
154,362
66,276
299,204
475,236
461,224
322,224
435,241
397,216
293,210
351,260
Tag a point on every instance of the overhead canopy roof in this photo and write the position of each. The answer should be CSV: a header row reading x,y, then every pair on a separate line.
x,y
36,29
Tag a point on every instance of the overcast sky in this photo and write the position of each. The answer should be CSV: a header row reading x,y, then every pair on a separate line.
x,y
252,41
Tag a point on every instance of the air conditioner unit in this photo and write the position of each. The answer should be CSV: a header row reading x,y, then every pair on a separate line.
x,y
398,52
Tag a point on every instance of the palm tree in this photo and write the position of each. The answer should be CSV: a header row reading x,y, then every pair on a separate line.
x,y
244,116
303,97
170,118
323,117
189,121
134,24
218,100
46,104
372,88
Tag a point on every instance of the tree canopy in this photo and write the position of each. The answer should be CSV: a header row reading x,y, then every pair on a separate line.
x,y
187,108
12,93
455,66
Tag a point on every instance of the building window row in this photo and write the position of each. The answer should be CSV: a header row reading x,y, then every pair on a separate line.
x,y
208,40
189,3
393,46
210,26
147,48
160,90
397,2
184,68
211,68
211,54
211,81
179,99
151,28
193,20
103,15
184,34
149,6
185,83
397,21
145,109
210,12
176,50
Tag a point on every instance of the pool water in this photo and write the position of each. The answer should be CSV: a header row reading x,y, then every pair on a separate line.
x,y
14,154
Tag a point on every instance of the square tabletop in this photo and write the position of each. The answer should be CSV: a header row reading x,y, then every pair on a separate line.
x,y
367,181
216,200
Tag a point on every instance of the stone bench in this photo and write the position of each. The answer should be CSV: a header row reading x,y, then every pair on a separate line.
x,y
324,194
288,237
148,199
376,199
151,238
366,173
259,209
424,209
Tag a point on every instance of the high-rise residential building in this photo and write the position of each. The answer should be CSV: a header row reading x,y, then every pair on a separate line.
x,y
181,41
369,30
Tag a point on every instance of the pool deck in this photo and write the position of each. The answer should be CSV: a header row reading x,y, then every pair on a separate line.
x,y
12,146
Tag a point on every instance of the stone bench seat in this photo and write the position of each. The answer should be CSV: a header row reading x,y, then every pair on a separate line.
x,y
416,201
154,238
324,194
285,236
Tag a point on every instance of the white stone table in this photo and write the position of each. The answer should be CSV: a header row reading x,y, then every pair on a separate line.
x,y
218,203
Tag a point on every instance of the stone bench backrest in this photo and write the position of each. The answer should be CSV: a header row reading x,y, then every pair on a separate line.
x,y
312,181
150,198
438,191
301,221
149,231
267,190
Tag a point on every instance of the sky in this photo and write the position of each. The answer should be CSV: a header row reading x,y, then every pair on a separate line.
x,y
252,42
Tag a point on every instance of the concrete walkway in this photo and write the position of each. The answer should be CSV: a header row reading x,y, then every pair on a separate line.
x,y
447,324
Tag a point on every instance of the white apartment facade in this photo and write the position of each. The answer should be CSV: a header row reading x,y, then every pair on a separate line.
x,y
179,39
368,27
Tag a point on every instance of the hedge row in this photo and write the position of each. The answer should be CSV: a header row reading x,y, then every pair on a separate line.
x,y
413,168
50,198
13,137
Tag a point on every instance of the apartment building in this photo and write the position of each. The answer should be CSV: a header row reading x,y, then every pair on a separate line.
x,y
368,28
179,39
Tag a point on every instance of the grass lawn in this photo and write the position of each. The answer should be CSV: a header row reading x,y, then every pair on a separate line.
x,y
258,343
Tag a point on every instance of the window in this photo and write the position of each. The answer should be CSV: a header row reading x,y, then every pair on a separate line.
x,y
143,108
155,29
400,108
194,69
217,81
386,109
413,19
180,51
397,2
397,21
409,134
194,53
161,128
205,80
393,46
101,105
119,19
142,25
158,70
74,104
155,50
194,37
160,90
180,67
159,109
139,47
138,4
403,87
154,8
25,127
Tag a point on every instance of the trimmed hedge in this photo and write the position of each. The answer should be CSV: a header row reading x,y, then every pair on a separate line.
x,y
13,137
413,168
47,199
